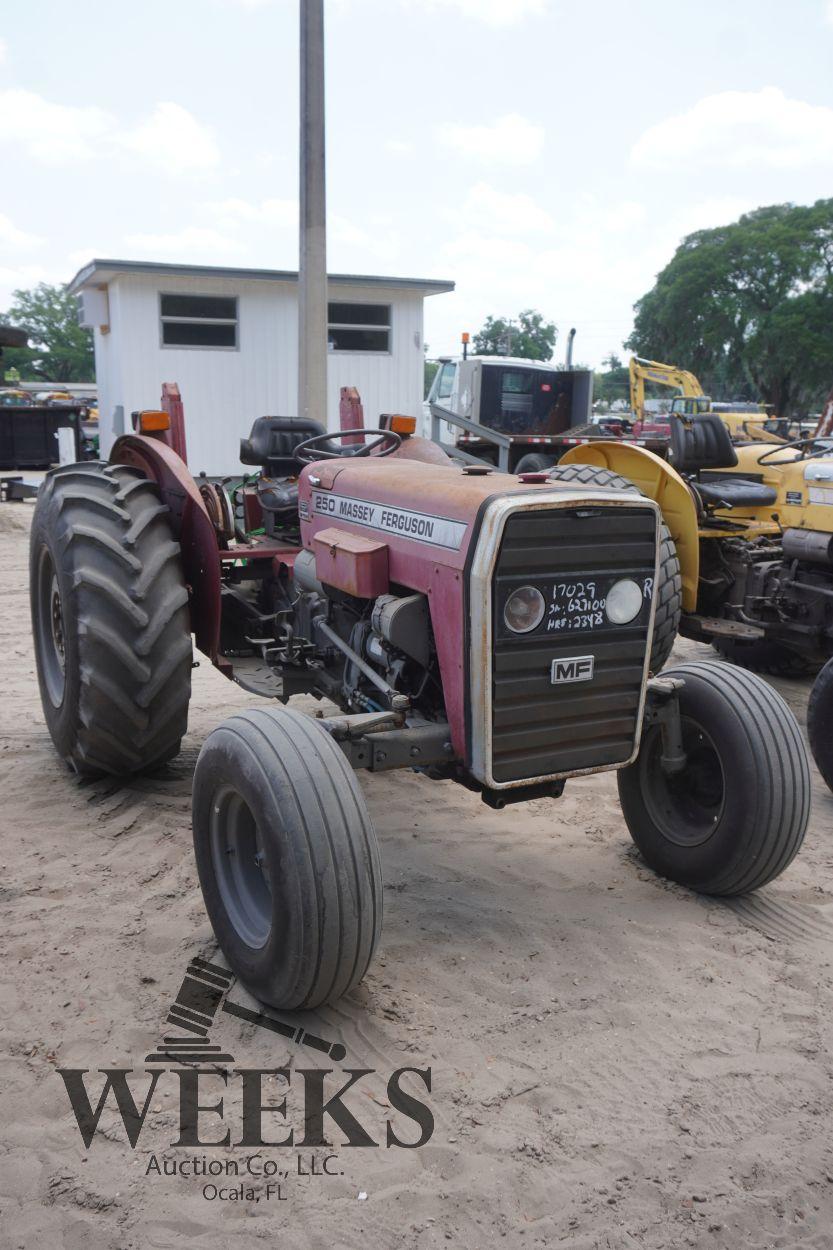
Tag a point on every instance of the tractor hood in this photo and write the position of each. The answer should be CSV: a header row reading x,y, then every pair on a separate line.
x,y
424,510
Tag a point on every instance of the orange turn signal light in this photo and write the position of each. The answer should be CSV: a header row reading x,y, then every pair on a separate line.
x,y
153,420
402,425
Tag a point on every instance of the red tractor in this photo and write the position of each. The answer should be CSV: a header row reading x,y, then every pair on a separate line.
x,y
503,632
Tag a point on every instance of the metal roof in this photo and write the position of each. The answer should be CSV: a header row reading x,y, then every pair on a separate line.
x,y
98,272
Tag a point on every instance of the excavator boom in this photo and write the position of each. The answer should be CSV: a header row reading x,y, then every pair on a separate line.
x,y
642,371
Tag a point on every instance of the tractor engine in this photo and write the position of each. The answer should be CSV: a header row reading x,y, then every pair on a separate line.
x,y
783,587
387,645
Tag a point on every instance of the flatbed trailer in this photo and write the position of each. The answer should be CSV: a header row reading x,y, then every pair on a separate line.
x,y
479,444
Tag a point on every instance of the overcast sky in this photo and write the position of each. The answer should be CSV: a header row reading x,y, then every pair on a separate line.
x,y
539,153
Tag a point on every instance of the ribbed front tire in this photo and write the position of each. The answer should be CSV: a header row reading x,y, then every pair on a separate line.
x,y
110,620
287,857
735,817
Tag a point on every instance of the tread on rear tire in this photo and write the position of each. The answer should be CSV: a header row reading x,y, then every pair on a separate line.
x,y
110,620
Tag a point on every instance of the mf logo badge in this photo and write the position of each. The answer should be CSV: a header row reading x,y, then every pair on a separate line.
x,y
573,668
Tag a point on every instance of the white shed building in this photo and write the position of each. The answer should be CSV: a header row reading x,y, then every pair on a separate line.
x,y
229,338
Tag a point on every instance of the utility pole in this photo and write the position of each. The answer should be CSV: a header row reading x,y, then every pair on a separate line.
x,y
312,267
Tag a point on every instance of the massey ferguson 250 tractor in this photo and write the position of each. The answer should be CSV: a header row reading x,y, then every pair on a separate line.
x,y
500,631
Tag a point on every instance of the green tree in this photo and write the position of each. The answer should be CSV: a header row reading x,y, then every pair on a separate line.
x,y
748,308
529,336
612,382
59,349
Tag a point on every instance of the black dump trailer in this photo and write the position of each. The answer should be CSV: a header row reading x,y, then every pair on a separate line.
x,y
29,434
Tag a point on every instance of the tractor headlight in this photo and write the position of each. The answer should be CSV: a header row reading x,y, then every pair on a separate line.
x,y
524,610
623,602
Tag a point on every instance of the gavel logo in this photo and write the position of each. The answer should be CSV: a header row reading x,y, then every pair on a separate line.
x,y
200,996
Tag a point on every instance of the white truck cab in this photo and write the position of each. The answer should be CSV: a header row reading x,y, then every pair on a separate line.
x,y
529,401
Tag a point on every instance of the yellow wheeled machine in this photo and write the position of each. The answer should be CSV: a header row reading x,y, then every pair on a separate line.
x,y
753,528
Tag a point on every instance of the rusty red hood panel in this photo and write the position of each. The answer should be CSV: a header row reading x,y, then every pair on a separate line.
x,y
418,507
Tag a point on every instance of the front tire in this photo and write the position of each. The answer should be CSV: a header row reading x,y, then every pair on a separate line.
x,y
736,816
820,722
110,620
669,581
287,858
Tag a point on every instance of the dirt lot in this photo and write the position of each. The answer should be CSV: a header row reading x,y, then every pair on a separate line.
x,y
616,1062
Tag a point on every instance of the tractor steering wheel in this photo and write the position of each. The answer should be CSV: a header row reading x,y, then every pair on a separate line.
x,y
316,448
802,443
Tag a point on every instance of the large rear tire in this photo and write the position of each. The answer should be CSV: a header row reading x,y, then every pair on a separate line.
x,y
110,620
287,857
669,582
736,816
820,722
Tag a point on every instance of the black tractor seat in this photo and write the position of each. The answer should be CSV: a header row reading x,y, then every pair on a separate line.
x,y
702,442
734,492
272,444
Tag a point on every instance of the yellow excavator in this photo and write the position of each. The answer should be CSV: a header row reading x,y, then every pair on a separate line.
x,y
743,421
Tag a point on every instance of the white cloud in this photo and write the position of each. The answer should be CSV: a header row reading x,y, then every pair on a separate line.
x,y
53,133
732,128
78,257
398,147
14,239
511,140
239,218
59,134
173,138
21,278
718,210
273,212
380,244
492,12
487,208
192,243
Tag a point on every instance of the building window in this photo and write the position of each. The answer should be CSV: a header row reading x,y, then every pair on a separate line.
x,y
198,320
359,327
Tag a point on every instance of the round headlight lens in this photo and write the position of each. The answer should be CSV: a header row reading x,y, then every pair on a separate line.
x,y
623,602
524,610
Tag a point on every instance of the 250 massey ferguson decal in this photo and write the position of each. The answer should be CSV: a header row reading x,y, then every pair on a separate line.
x,y
419,526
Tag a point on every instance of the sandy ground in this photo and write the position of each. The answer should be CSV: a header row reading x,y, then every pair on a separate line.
x,y
616,1062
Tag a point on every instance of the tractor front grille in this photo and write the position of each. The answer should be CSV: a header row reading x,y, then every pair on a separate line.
x,y
540,728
